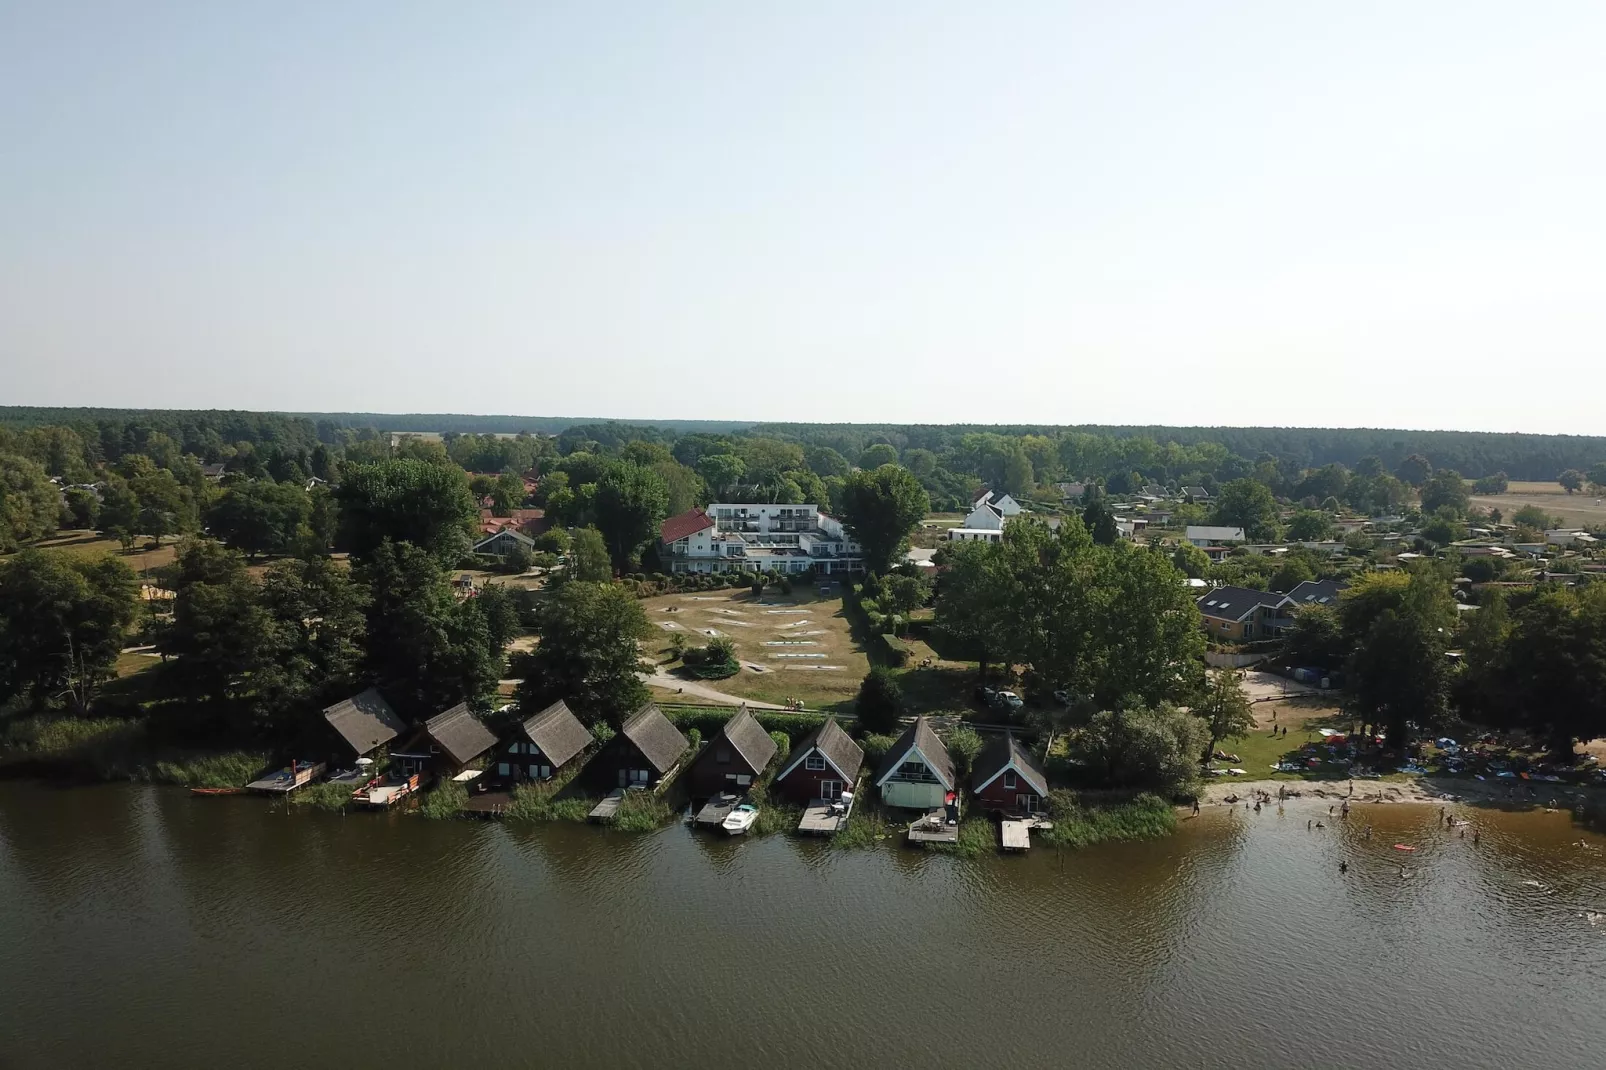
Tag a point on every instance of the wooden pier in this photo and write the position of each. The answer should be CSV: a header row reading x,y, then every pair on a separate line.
x,y
716,810
1015,835
385,791
488,803
822,818
608,808
934,828
283,781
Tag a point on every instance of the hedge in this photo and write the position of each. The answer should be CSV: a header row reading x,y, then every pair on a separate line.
x,y
710,719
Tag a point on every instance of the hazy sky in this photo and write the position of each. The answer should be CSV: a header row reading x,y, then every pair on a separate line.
x,y
1276,213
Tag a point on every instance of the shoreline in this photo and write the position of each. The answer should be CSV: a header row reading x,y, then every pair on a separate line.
x,y
1416,791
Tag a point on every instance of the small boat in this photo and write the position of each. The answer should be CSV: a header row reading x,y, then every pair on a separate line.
x,y
740,819
1403,847
217,791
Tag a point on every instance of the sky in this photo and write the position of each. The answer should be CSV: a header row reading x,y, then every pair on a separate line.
x,y
1302,214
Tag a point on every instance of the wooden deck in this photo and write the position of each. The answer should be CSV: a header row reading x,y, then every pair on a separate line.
x,y
489,803
1016,835
933,828
385,791
283,781
608,807
716,810
821,818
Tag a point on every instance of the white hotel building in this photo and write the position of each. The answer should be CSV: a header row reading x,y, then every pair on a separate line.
x,y
758,538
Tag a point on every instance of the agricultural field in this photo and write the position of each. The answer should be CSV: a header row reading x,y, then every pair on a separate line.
x,y
1582,509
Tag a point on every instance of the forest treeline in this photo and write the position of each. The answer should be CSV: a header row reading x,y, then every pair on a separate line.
x,y
1474,454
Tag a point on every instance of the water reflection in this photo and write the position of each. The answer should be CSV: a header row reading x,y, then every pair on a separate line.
x,y
146,928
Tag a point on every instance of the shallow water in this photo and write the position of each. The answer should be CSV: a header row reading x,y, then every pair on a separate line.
x,y
140,927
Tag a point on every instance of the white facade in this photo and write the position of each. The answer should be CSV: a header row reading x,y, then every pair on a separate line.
x,y
1213,536
1003,503
766,538
984,524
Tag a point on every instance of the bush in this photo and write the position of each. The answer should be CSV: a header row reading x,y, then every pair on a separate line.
x,y
965,744
786,585
446,800
880,701
708,720
876,745
897,650
1154,750
642,811
716,661
1146,817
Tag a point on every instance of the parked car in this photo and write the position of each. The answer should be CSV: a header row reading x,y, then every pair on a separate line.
x,y
985,694
1007,700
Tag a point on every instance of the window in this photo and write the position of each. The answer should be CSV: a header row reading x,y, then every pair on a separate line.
x,y
535,772
743,780
1009,780
502,769
546,772
517,748
814,762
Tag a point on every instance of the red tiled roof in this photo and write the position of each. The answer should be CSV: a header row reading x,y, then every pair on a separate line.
x,y
678,527
530,521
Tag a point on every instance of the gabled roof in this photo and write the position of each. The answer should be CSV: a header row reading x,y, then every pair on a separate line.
x,y
459,734
658,741
558,732
748,738
365,721
920,738
690,523
1236,603
834,745
510,532
1196,492
1002,754
1317,592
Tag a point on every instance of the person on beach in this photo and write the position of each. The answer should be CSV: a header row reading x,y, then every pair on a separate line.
x,y
1475,838
1320,825
1195,807
1329,811
1308,825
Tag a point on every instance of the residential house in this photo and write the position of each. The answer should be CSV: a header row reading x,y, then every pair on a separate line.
x,y
504,542
644,751
365,722
821,768
732,760
214,472
985,523
1196,494
1002,504
531,522
1070,492
1205,535
1316,593
917,771
1006,779
537,748
445,746
1238,613
1128,527
1570,537
761,537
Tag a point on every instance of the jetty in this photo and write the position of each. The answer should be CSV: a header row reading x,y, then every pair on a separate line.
x,y
934,828
608,808
283,781
1015,833
824,818
383,791
716,810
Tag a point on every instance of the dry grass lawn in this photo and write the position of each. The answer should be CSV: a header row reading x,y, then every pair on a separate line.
x,y
89,544
1583,508
784,642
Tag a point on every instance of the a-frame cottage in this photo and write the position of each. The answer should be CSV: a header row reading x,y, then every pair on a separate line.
x,y
445,746
644,751
1006,779
365,722
822,768
733,759
918,771
537,748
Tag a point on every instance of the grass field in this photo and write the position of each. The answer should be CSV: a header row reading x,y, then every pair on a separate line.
x,y
790,646
1583,509
89,544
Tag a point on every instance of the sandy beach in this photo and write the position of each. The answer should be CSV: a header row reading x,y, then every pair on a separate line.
x,y
1435,791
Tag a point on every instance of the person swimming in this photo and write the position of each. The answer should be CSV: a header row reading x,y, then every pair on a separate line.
x,y
1343,867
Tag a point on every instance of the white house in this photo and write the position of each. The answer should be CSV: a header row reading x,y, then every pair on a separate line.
x,y
985,522
1213,536
758,537
1569,537
1002,503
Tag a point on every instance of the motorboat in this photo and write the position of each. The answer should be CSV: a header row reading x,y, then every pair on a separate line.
x,y
740,819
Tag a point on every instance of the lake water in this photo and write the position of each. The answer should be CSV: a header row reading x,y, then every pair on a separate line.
x,y
140,928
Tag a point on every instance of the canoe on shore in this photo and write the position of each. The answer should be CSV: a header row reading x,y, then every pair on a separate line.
x,y
217,791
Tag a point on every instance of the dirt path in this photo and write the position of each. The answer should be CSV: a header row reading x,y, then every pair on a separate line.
x,y
692,689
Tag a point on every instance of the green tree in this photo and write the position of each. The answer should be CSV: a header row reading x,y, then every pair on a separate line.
x,y
1018,476
1532,516
1190,560
880,701
878,454
82,508
1398,627
1597,474
824,461
1310,525
1317,638
1100,522
1414,470
905,594
507,493
29,503
1248,504
588,655
1445,489
971,610
406,500
261,517
1572,480
879,509
62,622
683,485
1495,484
1225,708
965,744
631,503
721,471
1144,749
315,656
1553,666
427,650
220,633
588,557
1292,572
